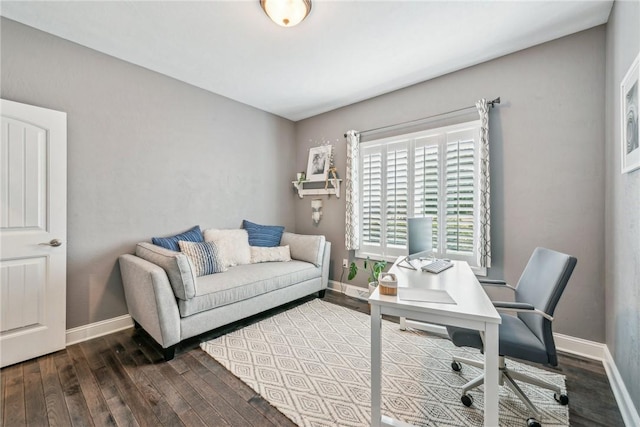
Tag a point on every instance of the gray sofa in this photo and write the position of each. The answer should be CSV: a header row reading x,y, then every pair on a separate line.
x,y
166,299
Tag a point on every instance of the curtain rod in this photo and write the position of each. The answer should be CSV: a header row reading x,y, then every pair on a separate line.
x,y
492,103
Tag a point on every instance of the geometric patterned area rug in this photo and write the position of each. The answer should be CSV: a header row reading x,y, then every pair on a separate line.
x,y
312,363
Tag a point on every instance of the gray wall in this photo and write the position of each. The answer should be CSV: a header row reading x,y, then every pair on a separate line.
x,y
622,248
547,146
147,156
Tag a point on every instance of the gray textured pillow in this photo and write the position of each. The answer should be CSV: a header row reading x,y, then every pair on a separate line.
x,y
176,265
304,247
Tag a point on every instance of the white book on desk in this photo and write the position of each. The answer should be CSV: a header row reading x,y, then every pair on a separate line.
x,y
425,295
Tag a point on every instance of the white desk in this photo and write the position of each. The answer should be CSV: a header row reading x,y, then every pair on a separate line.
x,y
473,310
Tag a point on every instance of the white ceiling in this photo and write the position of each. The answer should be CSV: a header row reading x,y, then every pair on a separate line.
x,y
344,52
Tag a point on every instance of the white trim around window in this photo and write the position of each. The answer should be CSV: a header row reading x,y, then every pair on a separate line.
x,y
433,172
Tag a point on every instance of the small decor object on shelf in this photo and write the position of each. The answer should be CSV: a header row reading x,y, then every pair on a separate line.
x,y
301,176
629,110
332,175
310,188
316,210
319,163
388,284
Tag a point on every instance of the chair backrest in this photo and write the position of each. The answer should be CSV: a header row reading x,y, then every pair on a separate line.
x,y
541,284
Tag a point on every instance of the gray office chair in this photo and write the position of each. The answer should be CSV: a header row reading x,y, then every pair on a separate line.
x,y
527,335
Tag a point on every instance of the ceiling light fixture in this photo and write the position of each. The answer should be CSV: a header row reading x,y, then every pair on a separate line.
x,y
286,13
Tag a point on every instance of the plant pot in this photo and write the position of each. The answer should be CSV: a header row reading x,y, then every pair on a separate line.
x,y
372,287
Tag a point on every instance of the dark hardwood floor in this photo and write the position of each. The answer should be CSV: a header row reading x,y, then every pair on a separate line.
x,y
120,379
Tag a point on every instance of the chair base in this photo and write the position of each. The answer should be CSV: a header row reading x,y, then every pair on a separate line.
x,y
508,377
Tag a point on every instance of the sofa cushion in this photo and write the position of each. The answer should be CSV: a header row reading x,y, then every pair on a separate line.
x,y
304,247
204,256
274,254
263,235
245,281
176,265
233,245
192,235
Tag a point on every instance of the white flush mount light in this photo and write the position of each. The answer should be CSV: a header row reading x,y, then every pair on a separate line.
x,y
286,13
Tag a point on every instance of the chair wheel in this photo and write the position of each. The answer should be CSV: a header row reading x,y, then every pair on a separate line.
x,y
456,366
563,399
532,422
466,400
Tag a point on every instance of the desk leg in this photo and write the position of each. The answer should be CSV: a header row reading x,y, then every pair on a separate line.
x,y
376,365
491,375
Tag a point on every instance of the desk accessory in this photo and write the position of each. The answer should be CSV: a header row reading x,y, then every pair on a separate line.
x,y
437,266
388,283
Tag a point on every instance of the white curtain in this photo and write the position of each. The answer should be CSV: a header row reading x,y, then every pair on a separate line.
x,y
352,219
484,242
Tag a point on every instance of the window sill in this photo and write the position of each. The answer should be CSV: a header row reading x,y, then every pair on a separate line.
x,y
478,271
375,257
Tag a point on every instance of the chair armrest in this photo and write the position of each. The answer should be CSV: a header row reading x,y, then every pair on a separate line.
x,y
515,305
499,283
519,307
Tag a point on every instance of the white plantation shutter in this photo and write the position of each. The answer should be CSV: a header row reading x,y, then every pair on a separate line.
x,y
427,181
397,194
460,192
430,173
371,196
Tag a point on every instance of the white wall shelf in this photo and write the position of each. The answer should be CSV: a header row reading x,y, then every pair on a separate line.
x,y
304,190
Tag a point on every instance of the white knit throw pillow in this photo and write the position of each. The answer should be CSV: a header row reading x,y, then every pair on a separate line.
x,y
270,254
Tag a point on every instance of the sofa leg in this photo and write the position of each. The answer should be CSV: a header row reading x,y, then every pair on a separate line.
x,y
169,352
321,293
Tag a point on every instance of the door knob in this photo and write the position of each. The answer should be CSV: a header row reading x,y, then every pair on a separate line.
x,y
53,242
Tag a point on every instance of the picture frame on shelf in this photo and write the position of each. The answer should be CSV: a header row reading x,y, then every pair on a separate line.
x,y
318,163
629,111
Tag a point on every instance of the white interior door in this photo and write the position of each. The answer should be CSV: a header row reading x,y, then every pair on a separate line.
x,y
33,230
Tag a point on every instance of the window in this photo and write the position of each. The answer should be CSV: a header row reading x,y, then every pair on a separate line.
x,y
428,173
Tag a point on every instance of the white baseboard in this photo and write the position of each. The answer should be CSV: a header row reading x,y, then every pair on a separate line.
x,y
628,410
98,329
579,347
349,290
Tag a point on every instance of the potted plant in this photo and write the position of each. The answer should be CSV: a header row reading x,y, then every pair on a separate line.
x,y
301,177
374,267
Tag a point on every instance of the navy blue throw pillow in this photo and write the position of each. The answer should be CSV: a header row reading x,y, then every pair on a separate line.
x,y
263,235
192,235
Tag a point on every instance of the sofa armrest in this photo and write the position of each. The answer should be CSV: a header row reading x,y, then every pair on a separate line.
x,y
305,247
150,299
326,258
